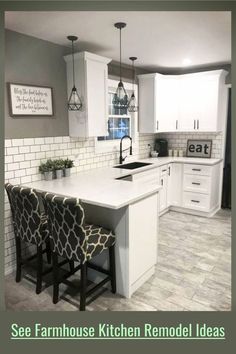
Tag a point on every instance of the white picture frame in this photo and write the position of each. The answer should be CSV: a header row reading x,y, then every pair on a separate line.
x,y
30,100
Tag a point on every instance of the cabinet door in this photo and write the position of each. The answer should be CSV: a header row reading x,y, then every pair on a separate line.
x,y
188,102
167,103
175,184
163,192
208,108
97,102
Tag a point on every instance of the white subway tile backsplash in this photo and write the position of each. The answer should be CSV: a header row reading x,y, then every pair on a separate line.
x,y
8,143
13,166
28,141
30,156
18,158
24,149
39,141
49,140
20,173
35,148
17,142
25,164
8,159
58,139
12,150
25,179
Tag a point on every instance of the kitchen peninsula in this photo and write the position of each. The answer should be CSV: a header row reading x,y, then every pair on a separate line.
x,y
119,205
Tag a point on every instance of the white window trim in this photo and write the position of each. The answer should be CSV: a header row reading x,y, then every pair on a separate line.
x,y
110,146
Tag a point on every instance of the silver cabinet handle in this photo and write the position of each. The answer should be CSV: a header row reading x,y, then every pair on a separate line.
x,y
196,169
169,170
194,124
176,124
157,124
198,124
195,201
163,170
196,183
162,182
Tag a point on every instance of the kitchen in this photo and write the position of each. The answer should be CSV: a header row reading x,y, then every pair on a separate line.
x,y
173,200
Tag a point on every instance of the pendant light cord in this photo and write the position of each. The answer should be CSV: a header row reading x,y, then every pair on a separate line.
x,y
133,74
73,64
120,54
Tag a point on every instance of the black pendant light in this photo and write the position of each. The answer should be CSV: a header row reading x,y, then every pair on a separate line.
x,y
132,105
74,102
120,99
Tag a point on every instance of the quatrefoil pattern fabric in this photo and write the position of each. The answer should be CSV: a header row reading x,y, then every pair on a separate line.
x,y
30,224
71,237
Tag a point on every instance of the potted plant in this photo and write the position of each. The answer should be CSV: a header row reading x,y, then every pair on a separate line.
x,y
47,169
58,167
68,164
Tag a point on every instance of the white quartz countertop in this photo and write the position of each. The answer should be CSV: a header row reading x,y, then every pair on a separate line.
x,y
100,186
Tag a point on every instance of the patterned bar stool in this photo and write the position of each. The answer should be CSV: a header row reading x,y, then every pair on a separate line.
x,y
72,239
30,225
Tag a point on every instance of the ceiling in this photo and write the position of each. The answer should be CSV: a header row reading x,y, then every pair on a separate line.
x,y
159,39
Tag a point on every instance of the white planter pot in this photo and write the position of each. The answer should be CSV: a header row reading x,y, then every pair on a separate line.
x,y
67,172
48,175
59,174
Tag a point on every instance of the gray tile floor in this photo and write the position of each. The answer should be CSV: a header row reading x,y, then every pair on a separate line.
x,y
193,273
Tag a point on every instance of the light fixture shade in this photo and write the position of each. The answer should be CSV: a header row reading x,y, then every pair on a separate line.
x,y
132,106
120,99
74,102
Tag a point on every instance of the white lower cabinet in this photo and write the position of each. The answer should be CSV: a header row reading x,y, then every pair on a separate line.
x,y
190,187
175,184
201,187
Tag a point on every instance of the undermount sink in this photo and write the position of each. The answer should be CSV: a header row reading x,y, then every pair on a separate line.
x,y
133,165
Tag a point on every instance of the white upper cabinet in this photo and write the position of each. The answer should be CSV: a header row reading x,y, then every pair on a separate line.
x,y
190,102
155,112
91,76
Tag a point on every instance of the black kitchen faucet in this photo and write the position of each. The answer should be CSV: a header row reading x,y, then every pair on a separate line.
x,y
130,148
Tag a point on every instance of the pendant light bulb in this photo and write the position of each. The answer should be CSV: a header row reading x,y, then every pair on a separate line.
x,y
120,99
132,104
74,102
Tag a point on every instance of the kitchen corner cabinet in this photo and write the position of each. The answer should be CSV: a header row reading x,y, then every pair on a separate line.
x,y
185,103
91,74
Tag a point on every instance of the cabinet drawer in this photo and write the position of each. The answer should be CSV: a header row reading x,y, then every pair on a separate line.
x,y
196,201
195,183
151,175
197,169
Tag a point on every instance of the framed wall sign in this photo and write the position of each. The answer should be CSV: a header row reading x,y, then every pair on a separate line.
x,y
199,148
29,100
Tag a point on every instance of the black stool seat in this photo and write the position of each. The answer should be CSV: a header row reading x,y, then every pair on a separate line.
x,y
75,240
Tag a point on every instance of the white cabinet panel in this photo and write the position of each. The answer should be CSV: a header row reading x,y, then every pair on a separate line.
x,y
175,184
143,229
91,75
163,192
190,102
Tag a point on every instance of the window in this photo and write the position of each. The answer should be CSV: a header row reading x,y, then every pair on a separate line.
x,y
119,122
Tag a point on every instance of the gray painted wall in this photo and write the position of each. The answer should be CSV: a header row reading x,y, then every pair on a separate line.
x,y
33,61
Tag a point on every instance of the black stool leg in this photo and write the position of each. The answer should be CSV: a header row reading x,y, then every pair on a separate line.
x,y
72,266
112,268
18,259
48,252
39,269
55,277
83,286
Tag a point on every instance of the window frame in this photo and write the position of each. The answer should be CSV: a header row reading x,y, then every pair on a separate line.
x,y
105,146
